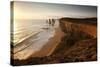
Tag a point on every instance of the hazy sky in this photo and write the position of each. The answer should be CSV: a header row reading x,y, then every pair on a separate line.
x,y
33,10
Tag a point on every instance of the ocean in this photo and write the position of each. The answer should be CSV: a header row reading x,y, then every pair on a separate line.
x,y
30,36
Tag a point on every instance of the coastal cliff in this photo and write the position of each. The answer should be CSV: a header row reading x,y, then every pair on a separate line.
x,y
86,25
79,43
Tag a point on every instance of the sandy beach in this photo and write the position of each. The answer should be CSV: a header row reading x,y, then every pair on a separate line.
x,y
49,47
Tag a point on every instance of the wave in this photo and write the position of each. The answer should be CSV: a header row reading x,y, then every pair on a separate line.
x,y
21,37
19,46
32,38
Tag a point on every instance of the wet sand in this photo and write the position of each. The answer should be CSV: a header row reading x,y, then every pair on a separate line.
x,y
49,47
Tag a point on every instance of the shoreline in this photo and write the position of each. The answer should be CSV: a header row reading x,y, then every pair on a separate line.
x,y
49,47
77,42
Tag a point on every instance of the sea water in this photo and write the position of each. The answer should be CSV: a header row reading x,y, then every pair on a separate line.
x,y
30,36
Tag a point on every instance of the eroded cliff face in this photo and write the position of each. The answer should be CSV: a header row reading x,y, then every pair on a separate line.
x,y
80,41
83,25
